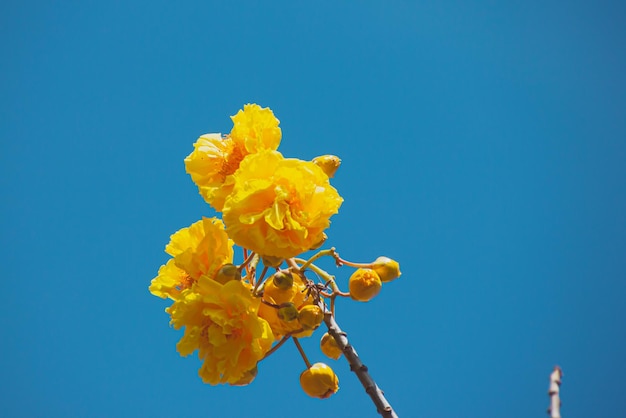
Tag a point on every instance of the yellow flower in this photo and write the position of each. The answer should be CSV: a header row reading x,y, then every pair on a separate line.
x,y
279,207
256,128
215,158
170,281
200,249
222,323
319,381
211,165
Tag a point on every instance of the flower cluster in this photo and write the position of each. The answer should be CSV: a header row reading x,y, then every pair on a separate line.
x,y
275,209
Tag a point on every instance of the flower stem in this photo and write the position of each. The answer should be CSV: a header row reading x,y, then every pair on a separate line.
x,y
322,253
276,347
258,282
247,260
382,405
306,360
340,262
330,279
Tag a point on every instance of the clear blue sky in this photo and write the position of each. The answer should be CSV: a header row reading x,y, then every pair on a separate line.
x,y
483,147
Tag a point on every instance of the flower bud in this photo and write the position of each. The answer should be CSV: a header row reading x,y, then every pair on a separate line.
x,y
271,261
329,346
293,294
320,242
386,268
287,312
283,279
310,317
364,285
319,381
247,377
328,163
227,273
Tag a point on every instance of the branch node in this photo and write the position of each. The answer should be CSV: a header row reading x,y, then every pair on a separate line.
x,y
356,365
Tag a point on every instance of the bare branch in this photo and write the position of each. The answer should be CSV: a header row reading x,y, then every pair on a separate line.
x,y
555,401
383,407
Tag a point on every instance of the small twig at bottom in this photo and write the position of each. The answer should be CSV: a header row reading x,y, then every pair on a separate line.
x,y
383,407
555,400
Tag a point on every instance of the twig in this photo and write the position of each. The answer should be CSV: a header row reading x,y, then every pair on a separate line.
x,y
555,401
383,407
301,350
276,347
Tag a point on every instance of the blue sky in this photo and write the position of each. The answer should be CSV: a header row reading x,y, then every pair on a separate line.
x,y
483,147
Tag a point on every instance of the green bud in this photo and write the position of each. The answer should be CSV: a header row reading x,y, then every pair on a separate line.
x,y
271,261
283,279
287,312
227,273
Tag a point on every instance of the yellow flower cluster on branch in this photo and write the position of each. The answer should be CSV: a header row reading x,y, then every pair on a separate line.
x,y
275,208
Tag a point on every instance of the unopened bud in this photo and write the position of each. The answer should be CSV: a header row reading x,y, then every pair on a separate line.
x,y
328,163
320,242
283,279
310,316
287,312
227,273
364,285
271,261
319,381
386,268
247,377
329,346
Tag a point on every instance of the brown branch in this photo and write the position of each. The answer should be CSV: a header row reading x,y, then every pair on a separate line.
x,y
554,410
383,407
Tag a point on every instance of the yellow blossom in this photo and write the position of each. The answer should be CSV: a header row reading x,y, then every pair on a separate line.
x,y
200,249
279,207
215,158
170,281
211,165
256,128
319,381
222,323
